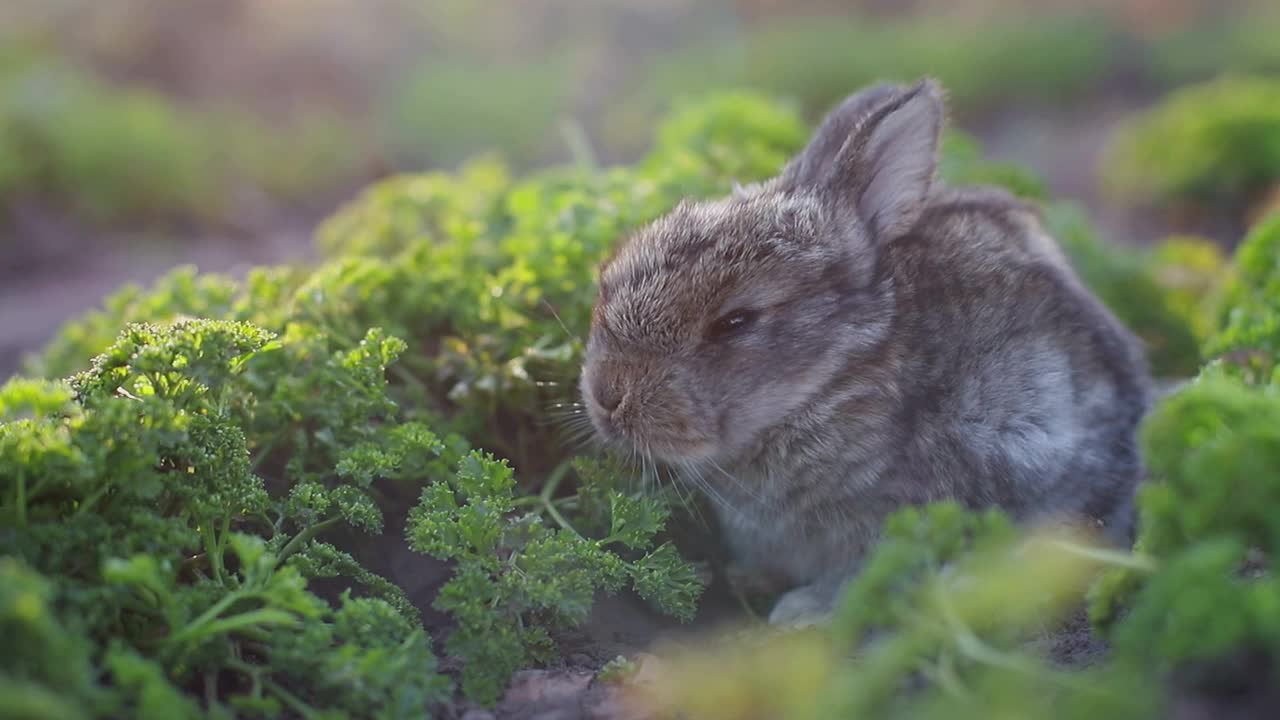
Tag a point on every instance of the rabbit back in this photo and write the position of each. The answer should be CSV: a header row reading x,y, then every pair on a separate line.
x,y
1017,361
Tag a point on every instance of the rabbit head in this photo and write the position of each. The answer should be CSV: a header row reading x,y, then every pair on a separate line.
x,y
725,317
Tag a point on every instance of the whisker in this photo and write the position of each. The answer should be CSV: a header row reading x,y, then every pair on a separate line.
x,y
738,483
710,489
556,315
683,495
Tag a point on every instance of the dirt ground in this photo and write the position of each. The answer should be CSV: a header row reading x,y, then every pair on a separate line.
x,y
63,272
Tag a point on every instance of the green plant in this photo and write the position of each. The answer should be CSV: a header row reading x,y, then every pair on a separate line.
x,y
817,60
111,155
132,491
1216,142
1249,315
119,155
518,579
491,297
1194,274
1214,453
943,621
1236,42
444,111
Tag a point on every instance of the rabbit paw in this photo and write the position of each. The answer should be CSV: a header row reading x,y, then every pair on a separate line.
x,y
803,607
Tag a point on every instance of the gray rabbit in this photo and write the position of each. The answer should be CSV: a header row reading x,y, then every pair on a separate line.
x,y
852,336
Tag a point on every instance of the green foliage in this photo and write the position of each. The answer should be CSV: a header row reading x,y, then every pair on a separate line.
x,y
1234,42
145,549
444,110
1216,448
1249,337
1194,275
44,667
816,60
111,154
1213,143
492,279
916,543
943,621
1213,449
114,154
962,163
1197,609
517,578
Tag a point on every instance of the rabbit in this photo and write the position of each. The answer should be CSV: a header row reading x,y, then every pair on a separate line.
x,y
852,336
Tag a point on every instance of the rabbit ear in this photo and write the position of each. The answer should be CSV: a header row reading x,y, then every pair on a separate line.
x,y
885,165
813,166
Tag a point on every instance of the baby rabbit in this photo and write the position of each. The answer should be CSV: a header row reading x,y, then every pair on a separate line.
x,y
851,337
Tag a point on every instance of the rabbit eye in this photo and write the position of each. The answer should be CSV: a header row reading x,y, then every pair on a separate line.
x,y
731,323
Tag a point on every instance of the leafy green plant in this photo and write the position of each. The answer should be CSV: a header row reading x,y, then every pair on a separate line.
x,y
444,110
517,579
816,60
1216,142
162,533
943,621
118,155
132,490
1249,334
111,155
1236,42
1206,527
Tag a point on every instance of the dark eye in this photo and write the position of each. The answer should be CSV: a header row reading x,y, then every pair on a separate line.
x,y
731,323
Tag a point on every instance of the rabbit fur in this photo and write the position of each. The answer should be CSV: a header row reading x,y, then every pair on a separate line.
x,y
852,336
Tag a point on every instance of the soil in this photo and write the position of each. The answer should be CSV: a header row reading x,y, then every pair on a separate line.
x,y
59,270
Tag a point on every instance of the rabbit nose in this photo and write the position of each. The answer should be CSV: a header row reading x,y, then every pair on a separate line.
x,y
608,395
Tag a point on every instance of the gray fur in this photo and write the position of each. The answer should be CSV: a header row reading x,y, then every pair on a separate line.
x,y
911,343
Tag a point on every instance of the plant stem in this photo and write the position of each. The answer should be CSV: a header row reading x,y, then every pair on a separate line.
x,y
208,615
90,501
553,480
579,146
549,489
21,502
290,699
265,449
210,688
1131,560
301,538
212,550
555,515
261,616
254,673
972,647
222,539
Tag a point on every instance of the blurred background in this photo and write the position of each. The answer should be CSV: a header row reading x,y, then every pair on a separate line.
x,y
136,135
